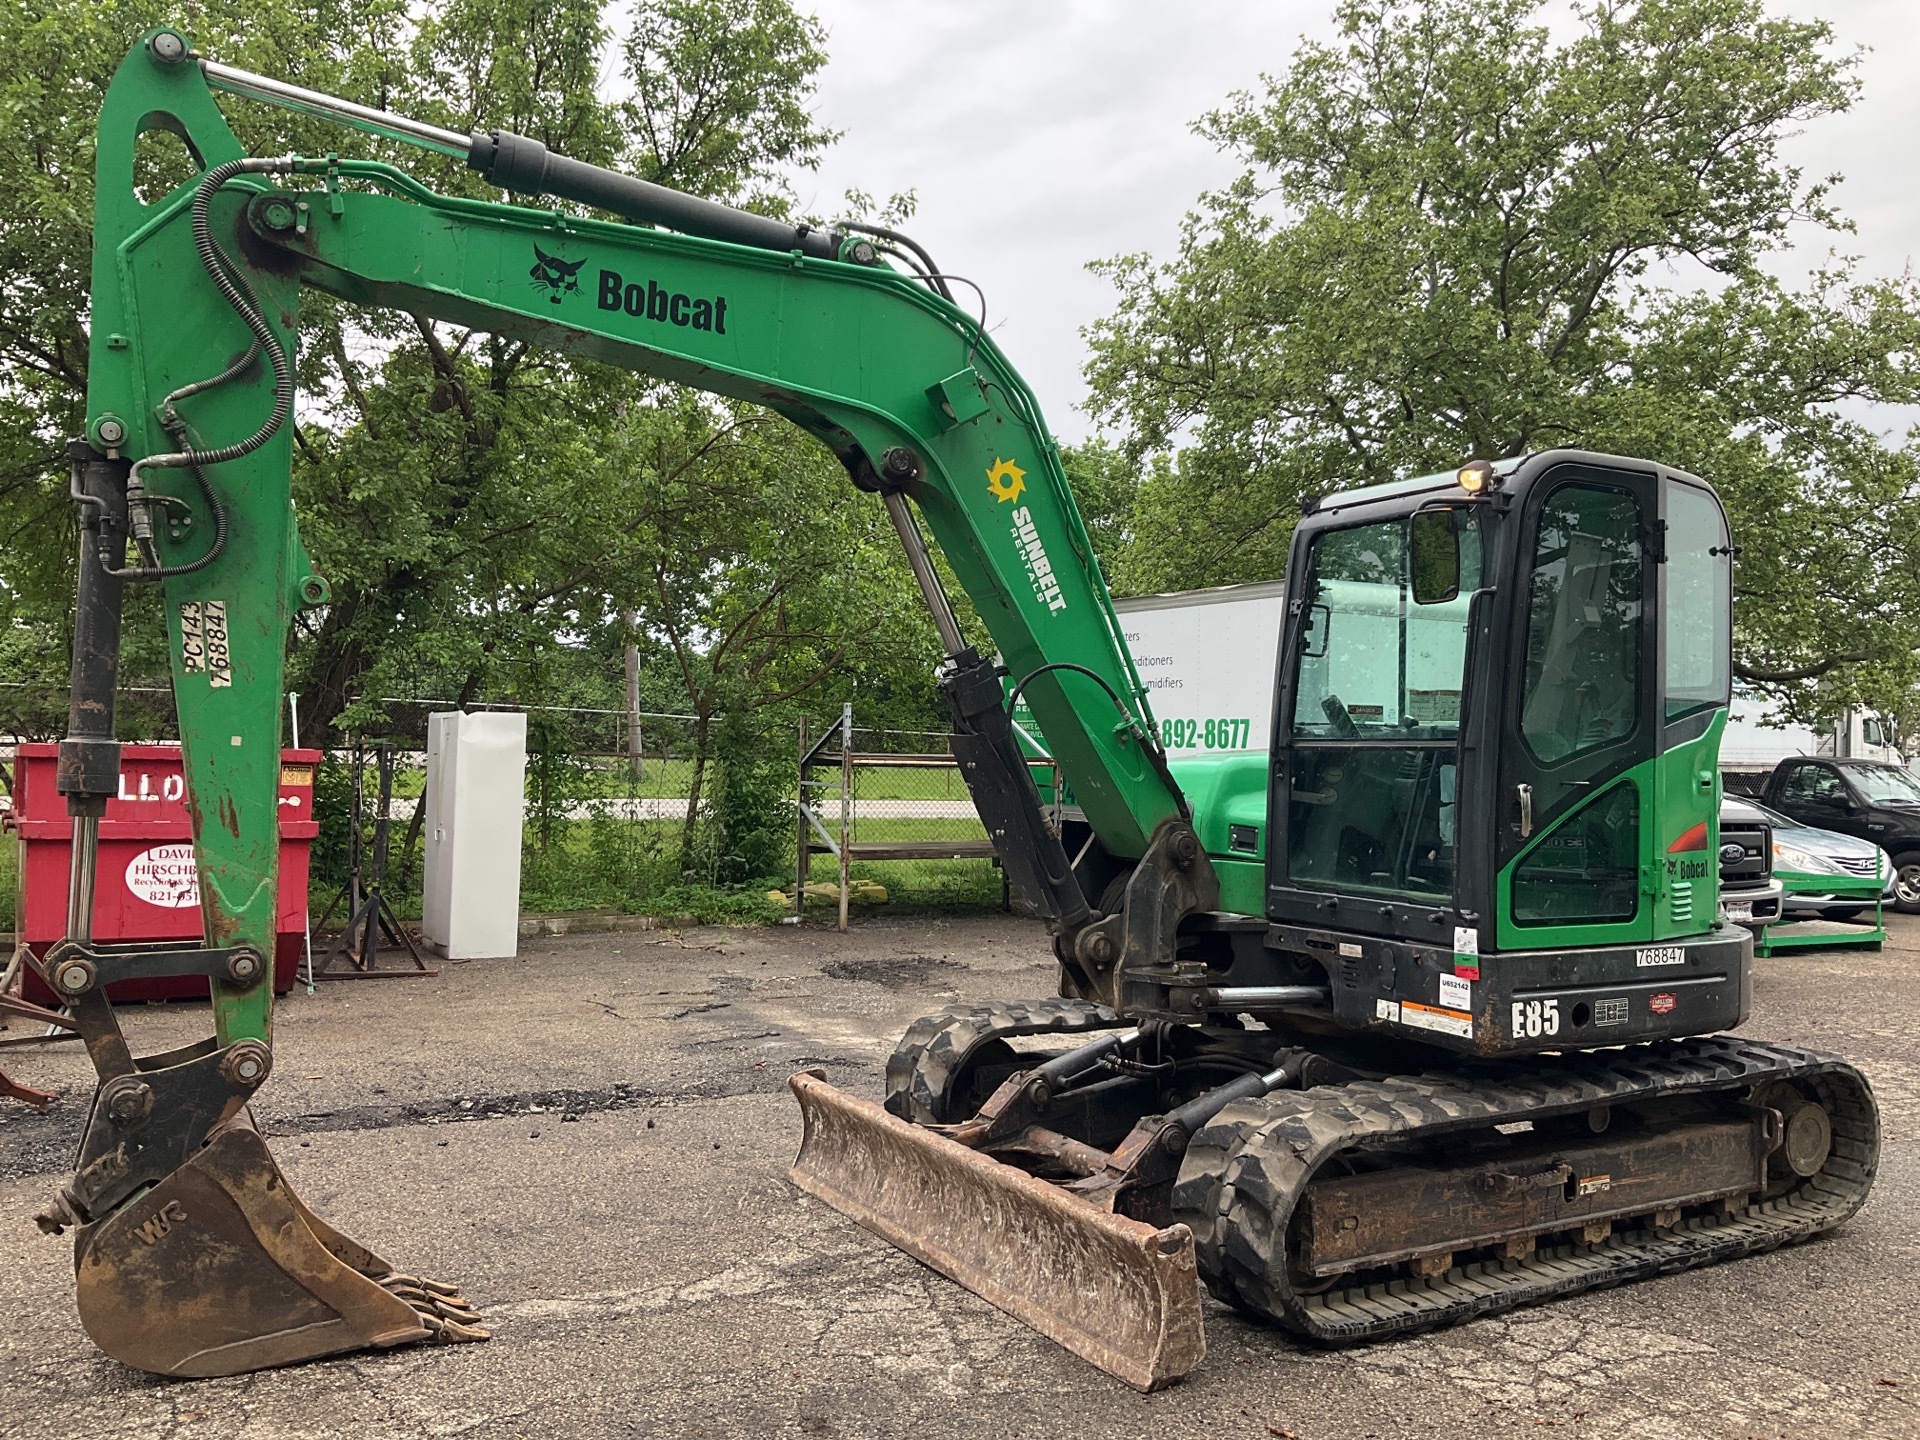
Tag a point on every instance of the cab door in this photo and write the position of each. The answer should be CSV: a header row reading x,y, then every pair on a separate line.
x,y
1577,795
1695,625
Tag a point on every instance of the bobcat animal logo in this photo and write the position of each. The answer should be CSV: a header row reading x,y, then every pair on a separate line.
x,y
555,275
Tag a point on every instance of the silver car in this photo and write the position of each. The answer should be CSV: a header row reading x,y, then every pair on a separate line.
x,y
1804,857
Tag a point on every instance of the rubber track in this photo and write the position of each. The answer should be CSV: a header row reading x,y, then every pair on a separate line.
x,y
1246,1170
934,1051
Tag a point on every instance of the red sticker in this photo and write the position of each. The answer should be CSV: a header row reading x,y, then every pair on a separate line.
x,y
1466,972
1663,1003
1694,838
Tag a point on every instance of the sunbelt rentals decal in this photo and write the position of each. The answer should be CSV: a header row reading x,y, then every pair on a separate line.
x,y
1005,482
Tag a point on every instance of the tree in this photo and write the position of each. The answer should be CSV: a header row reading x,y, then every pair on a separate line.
x,y
53,74
1453,237
459,491
495,520
720,91
467,486
1106,487
763,574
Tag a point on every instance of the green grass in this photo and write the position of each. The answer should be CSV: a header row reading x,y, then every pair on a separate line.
x,y
9,882
891,783
951,884
876,830
631,866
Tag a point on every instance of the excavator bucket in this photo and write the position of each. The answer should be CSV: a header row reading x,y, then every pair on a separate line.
x,y
1116,1292
220,1269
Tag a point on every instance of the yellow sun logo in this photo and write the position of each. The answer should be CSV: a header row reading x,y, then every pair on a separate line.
x,y
1006,480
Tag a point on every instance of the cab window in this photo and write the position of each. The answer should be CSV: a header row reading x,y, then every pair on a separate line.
x,y
1380,668
1583,624
1374,662
1698,620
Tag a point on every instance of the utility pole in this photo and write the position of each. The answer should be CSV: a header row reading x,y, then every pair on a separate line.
x,y
631,619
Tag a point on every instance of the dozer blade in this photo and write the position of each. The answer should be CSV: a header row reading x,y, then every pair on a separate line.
x,y
219,1269
1114,1291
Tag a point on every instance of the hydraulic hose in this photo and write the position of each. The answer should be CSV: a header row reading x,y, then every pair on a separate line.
x,y
932,273
234,289
1149,742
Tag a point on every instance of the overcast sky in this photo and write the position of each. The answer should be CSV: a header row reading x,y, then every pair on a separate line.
x,y
1041,134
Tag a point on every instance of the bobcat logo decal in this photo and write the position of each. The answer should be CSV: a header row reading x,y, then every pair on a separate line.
x,y
557,277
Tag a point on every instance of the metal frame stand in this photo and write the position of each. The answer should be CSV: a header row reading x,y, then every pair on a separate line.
x,y
369,914
814,799
59,1026
1819,934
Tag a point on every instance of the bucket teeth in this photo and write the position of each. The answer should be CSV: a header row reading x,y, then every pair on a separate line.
x,y
421,1283
433,1300
219,1269
452,1332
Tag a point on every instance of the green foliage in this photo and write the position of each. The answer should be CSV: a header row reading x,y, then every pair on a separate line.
x,y
720,91
764,579
712,906
600,863
556,778
477,506
941,885
33,696
1106,486
9,884
752,824
1454,237
603,863
329,856
496,521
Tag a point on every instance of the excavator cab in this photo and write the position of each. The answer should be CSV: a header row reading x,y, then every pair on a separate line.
x,y
1496,744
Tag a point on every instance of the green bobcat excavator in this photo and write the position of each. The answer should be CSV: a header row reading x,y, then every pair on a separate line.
x,y
1411,1018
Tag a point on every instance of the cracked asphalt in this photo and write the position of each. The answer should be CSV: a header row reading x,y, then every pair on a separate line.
x,y
593,1140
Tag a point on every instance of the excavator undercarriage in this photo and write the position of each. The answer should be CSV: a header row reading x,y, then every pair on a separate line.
x,y
1085,1191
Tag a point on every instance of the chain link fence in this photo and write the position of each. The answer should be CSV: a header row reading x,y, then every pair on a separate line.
x,y
654,813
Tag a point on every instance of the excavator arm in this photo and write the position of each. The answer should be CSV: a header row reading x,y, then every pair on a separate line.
x,y
183,480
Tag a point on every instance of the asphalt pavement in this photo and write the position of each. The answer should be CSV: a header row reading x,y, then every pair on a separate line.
x,y
592,1138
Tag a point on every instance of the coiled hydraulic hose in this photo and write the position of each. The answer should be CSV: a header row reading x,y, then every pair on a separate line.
x,y
1150,745
234,289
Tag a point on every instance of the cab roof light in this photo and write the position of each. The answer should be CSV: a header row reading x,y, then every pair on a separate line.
x,y
1478,477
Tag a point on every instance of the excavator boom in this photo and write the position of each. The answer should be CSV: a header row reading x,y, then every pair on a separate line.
x,y
194,1256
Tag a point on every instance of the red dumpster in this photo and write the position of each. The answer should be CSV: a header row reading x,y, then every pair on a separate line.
x,y
147,887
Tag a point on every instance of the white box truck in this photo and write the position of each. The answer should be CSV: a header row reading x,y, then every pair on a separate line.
x,y
1207,659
